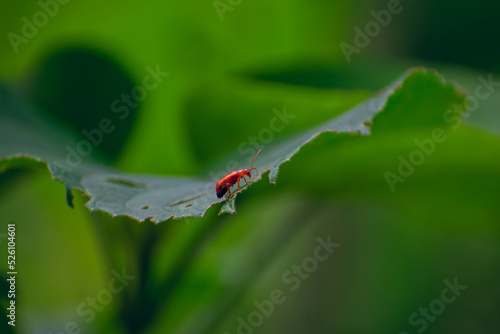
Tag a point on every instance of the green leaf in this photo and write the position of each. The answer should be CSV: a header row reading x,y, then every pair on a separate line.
x,y
25,136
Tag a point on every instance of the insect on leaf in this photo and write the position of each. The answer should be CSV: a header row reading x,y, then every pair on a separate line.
x,y
26,137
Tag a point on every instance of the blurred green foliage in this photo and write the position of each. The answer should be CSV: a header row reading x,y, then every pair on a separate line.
x,y
201,275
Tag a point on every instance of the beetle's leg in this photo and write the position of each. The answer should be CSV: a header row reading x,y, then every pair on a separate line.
x,y
239,185
246,180
228,185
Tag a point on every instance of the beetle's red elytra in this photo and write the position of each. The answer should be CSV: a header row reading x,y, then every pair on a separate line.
x,y
223,186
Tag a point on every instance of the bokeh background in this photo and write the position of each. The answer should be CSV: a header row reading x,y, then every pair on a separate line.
x,y
229,65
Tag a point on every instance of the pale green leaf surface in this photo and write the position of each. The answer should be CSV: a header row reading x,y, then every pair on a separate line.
x,y
158,198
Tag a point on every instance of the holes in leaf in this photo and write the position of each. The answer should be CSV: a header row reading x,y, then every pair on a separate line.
x,y
145,207
128,183
186,200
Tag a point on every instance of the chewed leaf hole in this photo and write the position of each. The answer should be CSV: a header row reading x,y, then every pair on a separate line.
x,y
188,205
186,200
145,207
128,183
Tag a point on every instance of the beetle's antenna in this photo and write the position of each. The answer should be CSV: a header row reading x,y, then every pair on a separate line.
x,y
251,167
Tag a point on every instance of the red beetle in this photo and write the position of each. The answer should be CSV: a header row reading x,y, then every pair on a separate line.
x,y
230,179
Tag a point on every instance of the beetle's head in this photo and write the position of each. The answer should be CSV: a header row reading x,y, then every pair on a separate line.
x,y
248,173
